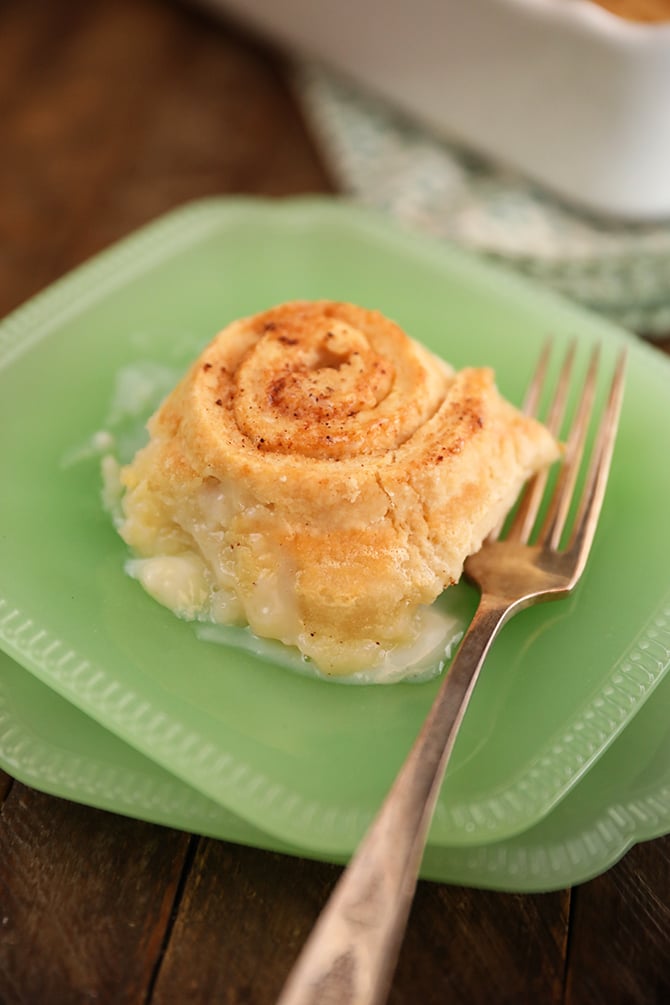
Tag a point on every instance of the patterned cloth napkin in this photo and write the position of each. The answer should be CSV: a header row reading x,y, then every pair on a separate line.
x,y
383,159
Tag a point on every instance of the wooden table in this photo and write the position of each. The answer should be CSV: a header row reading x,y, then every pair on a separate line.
x,y
111,114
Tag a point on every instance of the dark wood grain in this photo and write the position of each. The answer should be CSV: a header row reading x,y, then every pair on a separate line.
x,y
111,113
620,936
5,785
85,901
264,902
270,902
128,109
476,946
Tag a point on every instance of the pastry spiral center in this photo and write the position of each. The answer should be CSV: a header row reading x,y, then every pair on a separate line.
x,y
312,390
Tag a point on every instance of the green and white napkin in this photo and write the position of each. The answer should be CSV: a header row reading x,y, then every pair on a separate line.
x,y
385,160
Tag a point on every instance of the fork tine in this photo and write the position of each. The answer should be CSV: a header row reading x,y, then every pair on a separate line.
x,y
531,403
559,506
530,407
524,519
596,480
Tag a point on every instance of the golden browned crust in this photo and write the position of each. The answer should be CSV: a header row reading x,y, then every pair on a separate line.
x,y
317,451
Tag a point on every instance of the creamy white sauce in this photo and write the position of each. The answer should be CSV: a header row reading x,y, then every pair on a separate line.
x,y
179,582
185,584
424,659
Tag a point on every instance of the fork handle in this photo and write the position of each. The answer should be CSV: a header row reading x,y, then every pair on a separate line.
x,y
351,953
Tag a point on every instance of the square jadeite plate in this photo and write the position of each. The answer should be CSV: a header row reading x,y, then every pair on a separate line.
x,y
304,760
49,744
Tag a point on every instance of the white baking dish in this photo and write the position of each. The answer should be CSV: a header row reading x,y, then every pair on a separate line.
x,y
573,96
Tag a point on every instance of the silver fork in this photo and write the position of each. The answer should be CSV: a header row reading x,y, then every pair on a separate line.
x,y
352,951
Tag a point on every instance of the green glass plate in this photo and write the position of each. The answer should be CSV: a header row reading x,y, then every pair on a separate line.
x,y
48,744
304,760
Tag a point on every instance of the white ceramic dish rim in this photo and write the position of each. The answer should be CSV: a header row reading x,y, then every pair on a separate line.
x,y
589,16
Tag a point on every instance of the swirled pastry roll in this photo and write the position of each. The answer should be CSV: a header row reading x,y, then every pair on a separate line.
x,y
322,477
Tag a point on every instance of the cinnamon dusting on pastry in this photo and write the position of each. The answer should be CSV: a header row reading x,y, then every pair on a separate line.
x,y
342,480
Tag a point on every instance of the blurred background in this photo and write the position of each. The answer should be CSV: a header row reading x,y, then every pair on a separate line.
x,y
535,132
